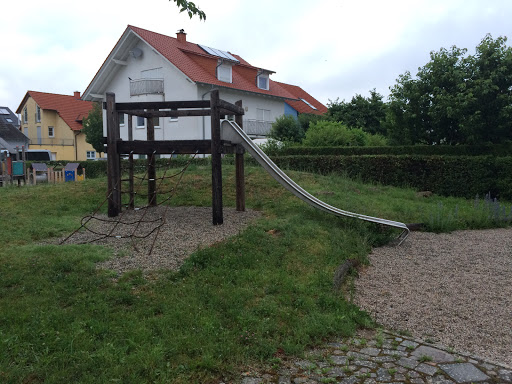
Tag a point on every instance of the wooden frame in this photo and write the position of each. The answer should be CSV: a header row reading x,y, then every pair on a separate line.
x,y
215,107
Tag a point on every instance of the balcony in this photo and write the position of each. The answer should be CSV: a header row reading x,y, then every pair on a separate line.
x,y
257,127
52,141
146,87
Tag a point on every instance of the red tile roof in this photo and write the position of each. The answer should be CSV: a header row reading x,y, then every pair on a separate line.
x,y
301,106
69,108
200,66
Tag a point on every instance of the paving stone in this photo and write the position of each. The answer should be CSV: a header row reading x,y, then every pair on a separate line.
x,y
505,375
383,359
393,352
383,375
252,380
407,363
440,380
464,372
336,372
370,381
409,343
426,369
370,351
413,374
366,363
338,360
350,380
305,364
357,355
417,380
488,366
437,355
284,380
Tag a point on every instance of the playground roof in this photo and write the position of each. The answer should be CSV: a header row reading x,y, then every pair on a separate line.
x,y
70,108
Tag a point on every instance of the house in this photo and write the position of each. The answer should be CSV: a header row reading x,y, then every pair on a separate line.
x,y
148,66
10,135
54,122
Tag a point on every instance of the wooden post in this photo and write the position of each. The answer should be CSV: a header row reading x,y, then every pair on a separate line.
x,y
131,204
151,164
216,159
114,164
239,166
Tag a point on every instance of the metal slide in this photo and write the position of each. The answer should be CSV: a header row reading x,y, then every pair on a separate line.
x,y
230,131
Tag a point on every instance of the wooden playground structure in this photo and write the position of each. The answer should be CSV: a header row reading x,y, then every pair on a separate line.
x,y
116,147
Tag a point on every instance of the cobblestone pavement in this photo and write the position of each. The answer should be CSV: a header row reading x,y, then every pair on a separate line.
x,y
381,357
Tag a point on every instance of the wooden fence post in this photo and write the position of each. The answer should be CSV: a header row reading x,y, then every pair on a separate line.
x,y
131,203
216,159
239,166
114,164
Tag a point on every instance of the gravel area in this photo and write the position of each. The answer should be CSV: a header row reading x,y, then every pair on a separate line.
x,y
453,289
183,230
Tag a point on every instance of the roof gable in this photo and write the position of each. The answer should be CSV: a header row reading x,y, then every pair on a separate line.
x,y
71,109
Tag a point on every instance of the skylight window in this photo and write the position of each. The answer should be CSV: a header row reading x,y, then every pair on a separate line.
x,y
4,111
308,103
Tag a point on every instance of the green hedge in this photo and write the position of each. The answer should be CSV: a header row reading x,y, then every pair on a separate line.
x,y
440,150
464,176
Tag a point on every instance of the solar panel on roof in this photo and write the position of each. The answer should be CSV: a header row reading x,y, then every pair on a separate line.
x,y
4,111
218,53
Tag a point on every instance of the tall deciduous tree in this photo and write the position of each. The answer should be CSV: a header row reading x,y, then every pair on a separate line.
x,y
361,112
455,98
93,128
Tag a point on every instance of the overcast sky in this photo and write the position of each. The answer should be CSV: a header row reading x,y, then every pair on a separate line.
x,y
331,48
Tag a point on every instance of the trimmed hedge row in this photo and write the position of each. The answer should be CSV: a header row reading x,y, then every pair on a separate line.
x,y
439,150
464,176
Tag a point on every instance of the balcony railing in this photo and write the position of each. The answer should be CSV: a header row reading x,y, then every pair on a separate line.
x,y
52,141
146,86
257,127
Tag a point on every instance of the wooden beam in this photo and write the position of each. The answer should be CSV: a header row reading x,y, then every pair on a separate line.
x,y
120,62
175,113
216,159
168,147
164,105
234,109
131,203
114,165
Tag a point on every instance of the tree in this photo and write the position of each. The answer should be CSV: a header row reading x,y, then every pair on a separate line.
x,y
361,112
190,8
93,128
455,98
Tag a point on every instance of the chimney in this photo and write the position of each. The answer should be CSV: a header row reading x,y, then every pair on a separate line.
x,y
76,94
181,36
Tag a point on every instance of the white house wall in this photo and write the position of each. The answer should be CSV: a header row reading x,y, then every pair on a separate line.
x,y
176,87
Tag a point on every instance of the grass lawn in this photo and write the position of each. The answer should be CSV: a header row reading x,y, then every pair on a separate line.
x,y
264,292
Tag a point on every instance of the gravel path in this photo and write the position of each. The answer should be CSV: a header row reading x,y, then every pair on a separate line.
x,y
185,230
453,289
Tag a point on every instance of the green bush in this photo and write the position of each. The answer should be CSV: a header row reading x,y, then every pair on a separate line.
x,y
331,133
287,128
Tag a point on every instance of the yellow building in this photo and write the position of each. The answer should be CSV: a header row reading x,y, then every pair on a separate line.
x,y
54,122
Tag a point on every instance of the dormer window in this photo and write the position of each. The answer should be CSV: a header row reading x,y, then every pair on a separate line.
x,y
262,81
224,72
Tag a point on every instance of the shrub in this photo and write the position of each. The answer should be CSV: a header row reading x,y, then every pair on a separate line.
x,y
287,128
331,133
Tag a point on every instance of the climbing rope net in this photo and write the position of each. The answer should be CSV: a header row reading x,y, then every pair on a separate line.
x,y
134,224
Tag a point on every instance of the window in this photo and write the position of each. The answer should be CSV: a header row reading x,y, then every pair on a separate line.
x,y
4,111
91,155
25,115
262,114
156,122
140,122
51,132
121,119
224,73
25,131
308,103
38,114
263,81
9,120
174,119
